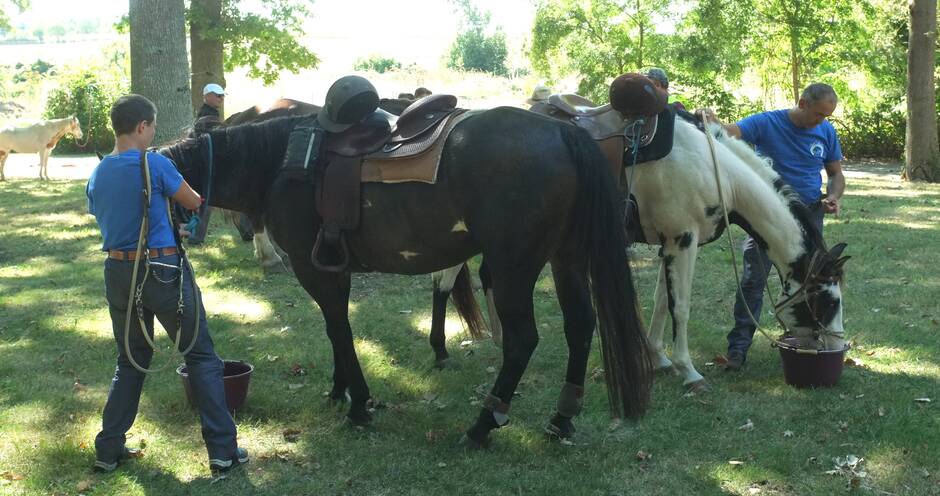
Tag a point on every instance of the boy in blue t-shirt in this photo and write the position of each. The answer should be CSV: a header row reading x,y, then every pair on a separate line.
x,y
801,143
115,198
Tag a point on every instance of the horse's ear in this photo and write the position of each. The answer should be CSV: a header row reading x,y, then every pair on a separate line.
x,y
836,251
841,261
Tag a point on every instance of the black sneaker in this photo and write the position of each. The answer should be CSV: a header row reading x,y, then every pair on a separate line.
x,y
105,467
736,360
222,466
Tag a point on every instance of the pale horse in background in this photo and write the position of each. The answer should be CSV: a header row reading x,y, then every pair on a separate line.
x,y
40,138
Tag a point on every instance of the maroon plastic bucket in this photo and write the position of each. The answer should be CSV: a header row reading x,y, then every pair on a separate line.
x,y
236,375
807,370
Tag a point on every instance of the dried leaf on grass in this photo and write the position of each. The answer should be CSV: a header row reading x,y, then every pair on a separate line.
x,y
735,463
787,433
922,400
292,435
643,456
84,485
11,476
720,360
854,362
748,426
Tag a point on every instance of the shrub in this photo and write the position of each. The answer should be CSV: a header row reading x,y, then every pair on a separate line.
x,y
377,63
875,133
87,94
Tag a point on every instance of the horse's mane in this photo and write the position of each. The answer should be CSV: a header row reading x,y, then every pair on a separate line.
x,y
763,166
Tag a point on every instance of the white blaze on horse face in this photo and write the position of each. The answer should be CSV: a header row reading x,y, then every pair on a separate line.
x,y
408,255
460,226
801,323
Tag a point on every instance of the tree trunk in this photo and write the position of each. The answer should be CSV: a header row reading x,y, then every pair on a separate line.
x,y
921,150
159,66
795,63
205,49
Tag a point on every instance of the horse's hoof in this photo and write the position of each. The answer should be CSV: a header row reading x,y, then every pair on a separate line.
x,y
560,428
359,418
468,443
700,386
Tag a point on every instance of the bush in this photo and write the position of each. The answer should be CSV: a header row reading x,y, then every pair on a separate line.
x,y
87,94
875,133
377,63
474,51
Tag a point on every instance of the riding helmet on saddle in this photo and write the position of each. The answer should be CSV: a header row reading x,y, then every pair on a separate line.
x,y
348,101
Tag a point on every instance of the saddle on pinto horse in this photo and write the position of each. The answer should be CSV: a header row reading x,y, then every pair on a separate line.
x,y
636,127
338,163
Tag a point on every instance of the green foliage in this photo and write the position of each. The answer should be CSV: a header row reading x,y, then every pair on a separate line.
x,y
87,93
878,132
477,49
597,39
377,63
19,5
36,70
265,45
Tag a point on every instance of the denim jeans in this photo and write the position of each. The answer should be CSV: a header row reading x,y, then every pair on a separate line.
x,y
753,282
161,299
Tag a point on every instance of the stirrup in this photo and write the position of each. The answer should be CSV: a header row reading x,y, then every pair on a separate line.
x,y
339,243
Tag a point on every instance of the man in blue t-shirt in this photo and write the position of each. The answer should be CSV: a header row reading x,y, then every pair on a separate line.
x,y
169,290
801,143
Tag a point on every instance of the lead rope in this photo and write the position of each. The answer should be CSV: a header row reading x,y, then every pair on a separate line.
x,y
734,263
135,296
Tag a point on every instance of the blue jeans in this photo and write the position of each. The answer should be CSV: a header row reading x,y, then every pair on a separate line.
x,y
753,282
161,299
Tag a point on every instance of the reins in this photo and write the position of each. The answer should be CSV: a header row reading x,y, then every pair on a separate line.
x,y
135,296
791,300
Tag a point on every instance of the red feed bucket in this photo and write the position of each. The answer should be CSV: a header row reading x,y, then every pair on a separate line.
x,y
808,370
236,375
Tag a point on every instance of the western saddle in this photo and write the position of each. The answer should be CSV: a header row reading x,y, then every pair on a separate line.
x,y
333,163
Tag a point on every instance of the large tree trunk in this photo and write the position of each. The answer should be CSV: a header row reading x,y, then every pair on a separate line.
x,y
206,50
921,151
159,66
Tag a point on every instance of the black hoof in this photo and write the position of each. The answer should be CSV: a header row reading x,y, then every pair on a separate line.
x,y
471,444
560,427
359,418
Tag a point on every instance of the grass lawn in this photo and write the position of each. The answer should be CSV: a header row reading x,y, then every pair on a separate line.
x,y
57,357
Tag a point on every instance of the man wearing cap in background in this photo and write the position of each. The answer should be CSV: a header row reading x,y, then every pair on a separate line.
x,y
659,78
209,116
213,96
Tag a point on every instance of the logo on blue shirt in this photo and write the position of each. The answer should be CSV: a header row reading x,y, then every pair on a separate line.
x,y
817,149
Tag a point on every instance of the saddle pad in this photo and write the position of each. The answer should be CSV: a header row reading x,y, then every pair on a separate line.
x,y
405,164
661,144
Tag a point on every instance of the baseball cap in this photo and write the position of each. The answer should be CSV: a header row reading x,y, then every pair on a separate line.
x,y
213,88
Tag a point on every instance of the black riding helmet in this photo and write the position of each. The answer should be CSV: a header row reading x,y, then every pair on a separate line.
x,y
349,100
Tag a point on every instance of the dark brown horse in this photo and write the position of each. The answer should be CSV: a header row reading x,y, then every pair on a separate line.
x,y
525,189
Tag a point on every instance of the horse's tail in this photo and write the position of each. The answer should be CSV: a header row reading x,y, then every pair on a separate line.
x,y
598,221
466,303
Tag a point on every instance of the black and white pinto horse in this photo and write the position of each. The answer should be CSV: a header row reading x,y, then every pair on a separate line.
x,y
524,190
680,209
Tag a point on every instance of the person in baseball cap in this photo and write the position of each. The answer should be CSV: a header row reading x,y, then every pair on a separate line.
x,y
659,78
213,95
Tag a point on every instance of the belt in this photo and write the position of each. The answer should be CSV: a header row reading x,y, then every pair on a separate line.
x,y
131,255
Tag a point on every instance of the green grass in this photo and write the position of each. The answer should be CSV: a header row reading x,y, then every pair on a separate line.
x,y
55,333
